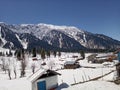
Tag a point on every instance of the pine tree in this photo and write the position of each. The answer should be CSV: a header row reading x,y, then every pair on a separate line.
x,y
82,53
23,63
48,53
6,53
59,53
10,53
18,54
15,53
34,52
43,54
54,53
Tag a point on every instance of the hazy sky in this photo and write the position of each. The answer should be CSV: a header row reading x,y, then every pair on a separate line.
x,y
96,16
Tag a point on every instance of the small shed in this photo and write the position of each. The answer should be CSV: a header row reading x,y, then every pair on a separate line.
x,y
101,58
71,65
74,56
35,59
44,80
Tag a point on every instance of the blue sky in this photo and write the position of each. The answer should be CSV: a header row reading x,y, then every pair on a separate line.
x,y
96,16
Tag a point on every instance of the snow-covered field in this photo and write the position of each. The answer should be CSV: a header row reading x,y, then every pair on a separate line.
x,y
68,76
94,85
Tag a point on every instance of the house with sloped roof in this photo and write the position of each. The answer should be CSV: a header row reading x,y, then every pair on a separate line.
x,y
44,80
71,64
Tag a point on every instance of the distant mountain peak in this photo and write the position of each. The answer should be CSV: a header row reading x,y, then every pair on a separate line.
x,y
1,22
56,26
24,25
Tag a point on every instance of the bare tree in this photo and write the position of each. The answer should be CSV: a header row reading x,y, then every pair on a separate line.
x,y
8,67
9,73
3,64
50,64
14,67
33,67
23,64
9,64
48,54
15,73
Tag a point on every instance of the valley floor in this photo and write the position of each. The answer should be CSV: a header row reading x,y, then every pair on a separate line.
x,y
70,79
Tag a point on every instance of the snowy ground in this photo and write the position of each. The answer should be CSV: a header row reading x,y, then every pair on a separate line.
x,y
68,77
94,85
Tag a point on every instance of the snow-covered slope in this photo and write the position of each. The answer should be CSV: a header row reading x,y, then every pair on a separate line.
x,y
13,40
23,42
8,38
65,37
84,38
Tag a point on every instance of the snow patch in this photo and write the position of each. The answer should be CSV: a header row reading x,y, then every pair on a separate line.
x,y
24,43
3,39
60,41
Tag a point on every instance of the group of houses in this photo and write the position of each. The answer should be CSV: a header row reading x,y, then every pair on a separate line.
x,y
95,58
48,79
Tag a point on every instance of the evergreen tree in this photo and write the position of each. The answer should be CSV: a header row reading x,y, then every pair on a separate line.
x,y
30,52
18,54
82,53
2,54
59,53
15,53
6,53
34,52
10,53
43,54
54,53
48,53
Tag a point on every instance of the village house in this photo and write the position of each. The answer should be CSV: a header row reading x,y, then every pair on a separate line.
x,y
44,80
101,58
71,65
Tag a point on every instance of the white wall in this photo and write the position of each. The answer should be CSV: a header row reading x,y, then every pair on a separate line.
x,y
50,82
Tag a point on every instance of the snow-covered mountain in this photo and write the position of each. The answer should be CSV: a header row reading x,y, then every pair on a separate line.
x,y
62,37
13,40
8,38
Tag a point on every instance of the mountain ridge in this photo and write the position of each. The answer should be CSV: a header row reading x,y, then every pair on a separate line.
x,y
60,37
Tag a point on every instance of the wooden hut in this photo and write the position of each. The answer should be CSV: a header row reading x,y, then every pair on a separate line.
x,y
71,65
